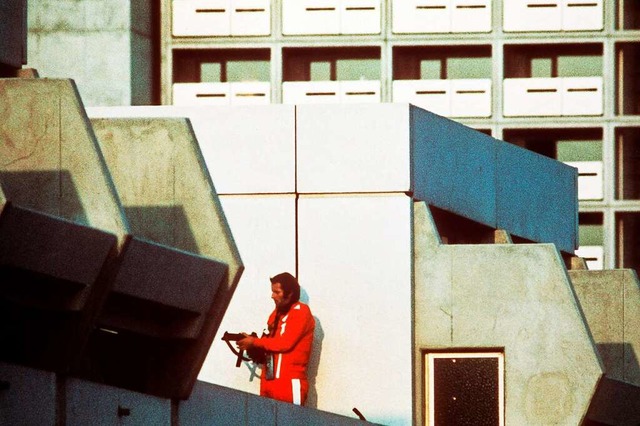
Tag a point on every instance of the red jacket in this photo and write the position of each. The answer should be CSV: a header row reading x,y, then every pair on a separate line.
x,y
291,342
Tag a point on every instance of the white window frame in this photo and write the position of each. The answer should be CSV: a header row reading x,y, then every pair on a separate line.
x,y
429,359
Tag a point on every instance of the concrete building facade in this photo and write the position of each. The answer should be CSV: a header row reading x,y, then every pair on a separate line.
x,y
564,86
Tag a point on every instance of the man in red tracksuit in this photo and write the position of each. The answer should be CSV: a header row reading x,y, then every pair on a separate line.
x,y
288,345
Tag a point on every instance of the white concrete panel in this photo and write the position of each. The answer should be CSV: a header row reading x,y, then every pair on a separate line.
x,y
532,15
360,17
532,97
250,93
582,96
593,256
421,16
201,18
353,148
578,15
310,17
263,228
250,17
355,263
248,149
432,95
471,16
191,94
310,92
359,91
470,98
590,179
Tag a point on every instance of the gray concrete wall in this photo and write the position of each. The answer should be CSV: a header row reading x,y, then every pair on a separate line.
x,y
105,46
49,157
179,234
517,298
610,301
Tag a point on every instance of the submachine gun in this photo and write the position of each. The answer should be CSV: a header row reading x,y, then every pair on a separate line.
x,y
256,355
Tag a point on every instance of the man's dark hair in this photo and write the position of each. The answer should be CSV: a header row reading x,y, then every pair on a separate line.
x,y
289,285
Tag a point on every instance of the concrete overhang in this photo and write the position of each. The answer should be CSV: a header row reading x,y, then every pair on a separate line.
x,y
65,231
378,148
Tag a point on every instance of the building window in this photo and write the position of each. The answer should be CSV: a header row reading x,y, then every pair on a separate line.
x,y
628,78
628,240
628,163
331,64
591,240
221,65
464,388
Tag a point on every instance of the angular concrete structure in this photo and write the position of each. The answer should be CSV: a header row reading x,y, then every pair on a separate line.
x,y
60,222
349,230
128,295
611,304
610,301
180,267
513,297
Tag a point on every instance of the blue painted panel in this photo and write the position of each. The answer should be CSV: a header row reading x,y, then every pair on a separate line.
x,y
453,166
214,405
536,197
261,411
90,403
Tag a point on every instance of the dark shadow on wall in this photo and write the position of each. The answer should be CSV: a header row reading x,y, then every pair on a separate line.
x,y
47,191
621,361
314,360
167,225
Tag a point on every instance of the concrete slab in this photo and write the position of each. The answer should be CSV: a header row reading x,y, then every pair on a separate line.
x,y
348,149
61,222
248,150
182,248
53,164
402,148
354,262
518,299
610,300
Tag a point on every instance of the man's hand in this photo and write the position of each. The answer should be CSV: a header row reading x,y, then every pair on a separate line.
x,y
246,343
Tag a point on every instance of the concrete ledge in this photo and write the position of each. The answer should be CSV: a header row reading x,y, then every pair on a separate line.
x,y
213,404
